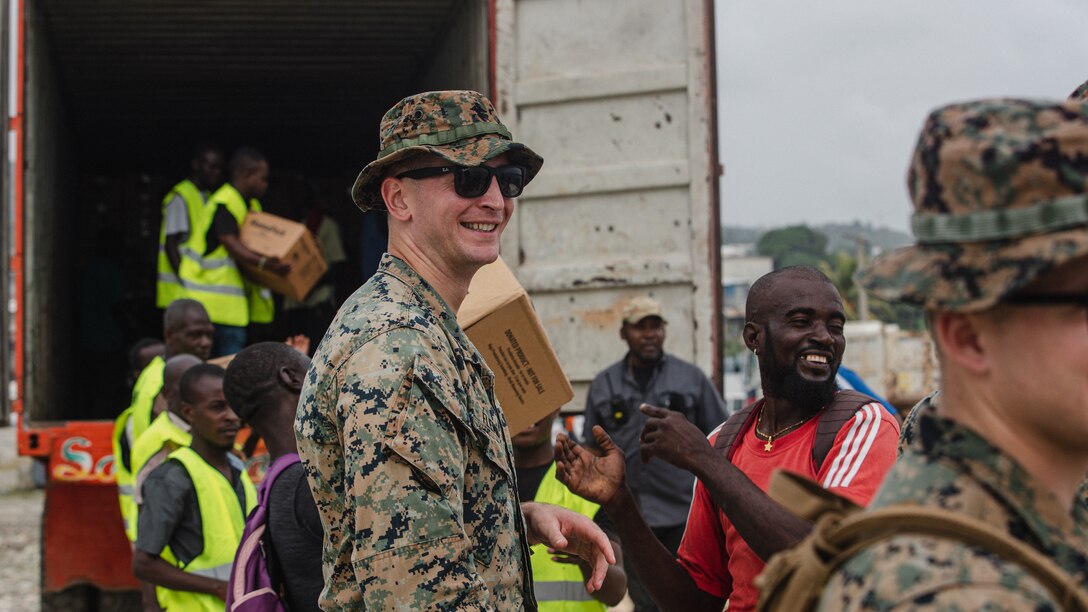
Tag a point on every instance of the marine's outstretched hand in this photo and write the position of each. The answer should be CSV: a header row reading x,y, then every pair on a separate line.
x,y
570,532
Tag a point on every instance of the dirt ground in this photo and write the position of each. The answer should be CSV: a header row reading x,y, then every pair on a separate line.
x,y
20,521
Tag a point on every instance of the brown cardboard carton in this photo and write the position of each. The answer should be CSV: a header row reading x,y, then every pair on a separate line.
x,y
499,319
274,236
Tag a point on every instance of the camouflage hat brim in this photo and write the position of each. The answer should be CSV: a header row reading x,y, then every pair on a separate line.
x,y
969,277
469,152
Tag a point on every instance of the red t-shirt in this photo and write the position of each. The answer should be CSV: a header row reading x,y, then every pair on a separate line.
x,y
718,559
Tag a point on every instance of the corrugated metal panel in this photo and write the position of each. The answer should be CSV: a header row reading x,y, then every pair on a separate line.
x,y
613,94
308,80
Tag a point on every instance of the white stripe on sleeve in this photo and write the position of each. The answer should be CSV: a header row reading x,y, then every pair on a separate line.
x,y
851,448
868,444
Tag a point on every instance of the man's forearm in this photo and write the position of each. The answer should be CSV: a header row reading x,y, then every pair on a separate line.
x,y
615,581
667,581
173,254
239,251
766,526
155,570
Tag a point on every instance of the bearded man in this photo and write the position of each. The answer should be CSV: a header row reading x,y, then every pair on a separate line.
x,y
841,439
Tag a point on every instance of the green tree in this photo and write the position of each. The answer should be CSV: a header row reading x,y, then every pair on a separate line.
x,y
796,245
840,268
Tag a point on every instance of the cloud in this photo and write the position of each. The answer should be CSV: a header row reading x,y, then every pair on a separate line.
x,y
820,103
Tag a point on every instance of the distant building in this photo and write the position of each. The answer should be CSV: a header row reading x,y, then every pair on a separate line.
x,y
740,268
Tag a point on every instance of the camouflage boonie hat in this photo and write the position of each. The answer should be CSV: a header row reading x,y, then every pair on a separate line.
x,y
1080,94
999,199
461,127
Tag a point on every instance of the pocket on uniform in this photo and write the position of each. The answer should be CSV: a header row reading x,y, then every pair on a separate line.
x,y
427,428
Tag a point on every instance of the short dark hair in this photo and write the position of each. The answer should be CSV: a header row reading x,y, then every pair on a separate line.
x,y
186,387
134,351
244,160
254,373
177,311
757,293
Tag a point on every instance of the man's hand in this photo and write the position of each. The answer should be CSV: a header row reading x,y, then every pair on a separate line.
x,y
299,342
277,266
669,436
570,532
596,478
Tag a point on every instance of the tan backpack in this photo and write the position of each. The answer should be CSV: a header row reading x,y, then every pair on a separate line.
x,y
794,579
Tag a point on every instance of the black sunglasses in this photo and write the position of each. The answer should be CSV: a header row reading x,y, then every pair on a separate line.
x,y
474,181
1048,299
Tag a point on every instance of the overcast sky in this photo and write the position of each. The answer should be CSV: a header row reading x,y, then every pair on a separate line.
x,y
820,102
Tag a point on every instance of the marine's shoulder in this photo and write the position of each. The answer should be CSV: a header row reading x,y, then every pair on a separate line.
x,y
923,480
912,571
382,311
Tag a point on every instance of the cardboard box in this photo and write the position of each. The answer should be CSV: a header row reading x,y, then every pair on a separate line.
x,y
499,319
274,236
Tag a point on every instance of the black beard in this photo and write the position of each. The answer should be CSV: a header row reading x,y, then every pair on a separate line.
x,y
807,395
784,381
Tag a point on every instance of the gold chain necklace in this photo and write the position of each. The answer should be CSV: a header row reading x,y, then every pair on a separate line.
x,y
770,438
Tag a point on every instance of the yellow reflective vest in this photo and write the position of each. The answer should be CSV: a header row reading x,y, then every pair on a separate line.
x,y
162,433
560,587
222,521
213,278
123,474
147,386
169,286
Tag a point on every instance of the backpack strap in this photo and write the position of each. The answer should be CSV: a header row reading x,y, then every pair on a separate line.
x,y
834,416
795,578
733,427
865,529
278,466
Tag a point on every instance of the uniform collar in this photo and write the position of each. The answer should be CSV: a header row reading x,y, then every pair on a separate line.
x,y
447,318
941,439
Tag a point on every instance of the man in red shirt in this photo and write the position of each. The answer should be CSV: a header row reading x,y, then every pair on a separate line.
x,y
794,325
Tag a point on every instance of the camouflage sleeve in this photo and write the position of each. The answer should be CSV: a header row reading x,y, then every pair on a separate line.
x,y
403,437
922,573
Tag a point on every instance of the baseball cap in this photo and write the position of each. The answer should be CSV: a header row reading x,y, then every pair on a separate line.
x,y
641,307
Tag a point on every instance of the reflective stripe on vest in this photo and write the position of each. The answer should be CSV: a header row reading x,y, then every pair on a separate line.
x,y
222,521
560,586
123,476
168,286
213,278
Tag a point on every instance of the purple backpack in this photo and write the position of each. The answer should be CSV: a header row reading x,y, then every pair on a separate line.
x,y
251,587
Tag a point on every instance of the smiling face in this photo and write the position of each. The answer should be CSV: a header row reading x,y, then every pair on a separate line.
x,y
798,331
454,233
210,415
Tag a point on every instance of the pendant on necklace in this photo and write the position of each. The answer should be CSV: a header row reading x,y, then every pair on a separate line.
x,y
767,446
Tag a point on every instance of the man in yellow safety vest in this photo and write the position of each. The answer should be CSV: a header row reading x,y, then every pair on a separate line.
x,y
195,504
182,205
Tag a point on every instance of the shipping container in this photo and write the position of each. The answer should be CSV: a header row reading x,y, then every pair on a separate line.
x,y
105,99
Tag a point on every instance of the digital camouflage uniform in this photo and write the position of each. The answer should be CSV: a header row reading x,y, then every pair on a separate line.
x,y
949,466
999,195
407,454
